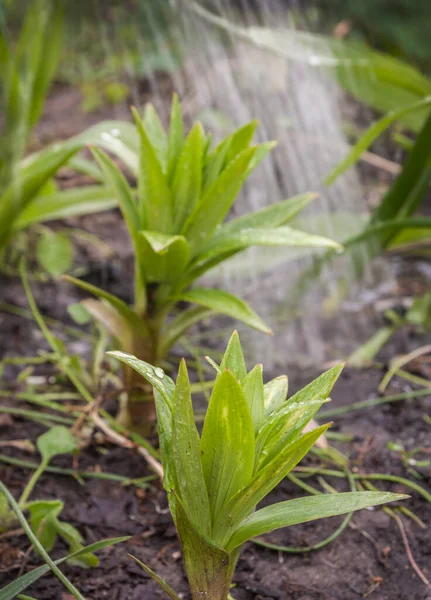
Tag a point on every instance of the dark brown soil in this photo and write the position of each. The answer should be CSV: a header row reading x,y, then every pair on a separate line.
x,y
368,560
369,555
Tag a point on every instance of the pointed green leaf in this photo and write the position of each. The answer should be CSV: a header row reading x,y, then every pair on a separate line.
x,y
275,215
190,483
227,443
303,510
233,358
154,375
163,257
262,151
217,201
187,181
156,134
32,177
275,393
253,391
282,428
66,203
320,388
244,502
278,236
226,304
215,163
176,137
371,135
121,189
155,199
241,139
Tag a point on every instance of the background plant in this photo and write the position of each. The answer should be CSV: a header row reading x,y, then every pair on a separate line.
x,y
185,191
44,514
251,439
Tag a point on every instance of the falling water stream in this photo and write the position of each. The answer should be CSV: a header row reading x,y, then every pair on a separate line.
x,y
226,80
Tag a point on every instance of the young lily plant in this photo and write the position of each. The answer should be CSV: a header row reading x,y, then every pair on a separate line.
x,y
251,439
185,191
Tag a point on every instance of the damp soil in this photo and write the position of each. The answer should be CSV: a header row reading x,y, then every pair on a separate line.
x,y
369,560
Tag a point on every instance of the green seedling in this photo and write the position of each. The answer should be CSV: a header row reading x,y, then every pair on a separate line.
x,y
17,586
251,439
44,514
186,188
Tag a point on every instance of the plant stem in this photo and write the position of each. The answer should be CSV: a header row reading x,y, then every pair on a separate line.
x,y
335,412
31,483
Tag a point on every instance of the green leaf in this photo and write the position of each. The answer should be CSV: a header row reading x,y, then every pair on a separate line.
x,y
108,316
371,135
154,375
217,201
156,134
226,304
275,215
187,181
72,536
275,393
155,200
215,163
233,358
176,137
119,138
31,179
43,514
54,253
227,443
278,236
52,36
121,189
244,502
58,440
163,257
162,583
79,313
282,428
318,389
164,389
190,483
67,203
254,393
303,510
241,139
125,311
261,152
